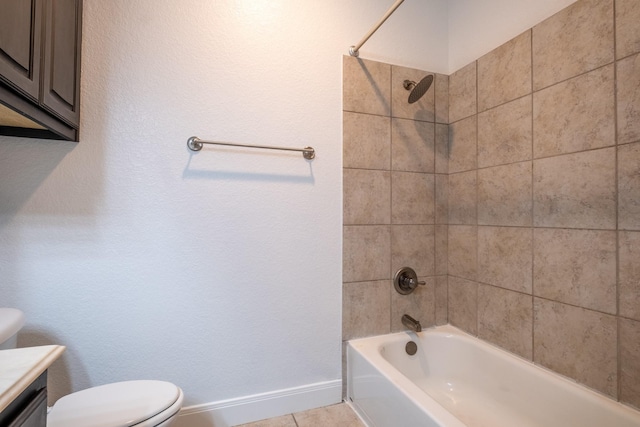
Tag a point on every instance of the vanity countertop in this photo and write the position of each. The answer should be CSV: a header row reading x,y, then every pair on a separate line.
x,y
19,367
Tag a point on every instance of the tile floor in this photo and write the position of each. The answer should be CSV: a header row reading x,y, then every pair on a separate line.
x,y
340,415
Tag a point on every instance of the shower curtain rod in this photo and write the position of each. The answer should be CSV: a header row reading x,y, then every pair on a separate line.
x,y
353,50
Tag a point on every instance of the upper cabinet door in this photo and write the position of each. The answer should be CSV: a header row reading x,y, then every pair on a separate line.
x,y
61,73
20,35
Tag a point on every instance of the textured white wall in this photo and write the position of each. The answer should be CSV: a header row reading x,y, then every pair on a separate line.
x,y
219,271
478,26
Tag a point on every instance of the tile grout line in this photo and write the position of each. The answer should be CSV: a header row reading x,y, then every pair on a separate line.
x,y
533,201
535,227
435,203
390,271
617,190
545,87
544,157
574,305
435,199
447,153
446,160
436,81
476,201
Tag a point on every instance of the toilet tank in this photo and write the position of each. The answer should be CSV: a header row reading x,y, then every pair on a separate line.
x,y
11,321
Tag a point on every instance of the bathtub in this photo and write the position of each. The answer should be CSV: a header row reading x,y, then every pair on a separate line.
x,y
456,380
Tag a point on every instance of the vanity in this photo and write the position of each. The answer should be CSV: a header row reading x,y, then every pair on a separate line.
x,y
23,385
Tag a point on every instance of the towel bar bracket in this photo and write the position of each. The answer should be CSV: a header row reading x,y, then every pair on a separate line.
x,y
194,143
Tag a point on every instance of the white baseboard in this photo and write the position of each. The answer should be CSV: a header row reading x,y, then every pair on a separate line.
x,y
228,413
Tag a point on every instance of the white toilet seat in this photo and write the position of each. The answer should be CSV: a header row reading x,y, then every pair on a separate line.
x,y
124,404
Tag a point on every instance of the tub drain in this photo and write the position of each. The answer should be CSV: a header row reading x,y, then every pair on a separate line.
x,y
411,348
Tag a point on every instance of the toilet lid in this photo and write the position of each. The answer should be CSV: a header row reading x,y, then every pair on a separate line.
x,y
121,404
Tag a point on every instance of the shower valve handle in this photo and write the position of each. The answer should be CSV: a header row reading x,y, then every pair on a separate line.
x,y
406,281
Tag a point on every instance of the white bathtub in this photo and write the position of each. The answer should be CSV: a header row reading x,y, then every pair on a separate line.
x,y
456,380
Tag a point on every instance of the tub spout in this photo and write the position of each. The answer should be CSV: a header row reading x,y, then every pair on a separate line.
x,y
411,323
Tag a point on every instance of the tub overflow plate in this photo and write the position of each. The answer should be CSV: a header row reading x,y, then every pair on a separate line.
x,y
411,348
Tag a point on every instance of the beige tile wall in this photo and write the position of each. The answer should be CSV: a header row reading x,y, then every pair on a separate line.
x,y
544,196
395,187
513,188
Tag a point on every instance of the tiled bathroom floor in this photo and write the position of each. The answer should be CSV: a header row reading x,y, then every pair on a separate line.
x,y
340,415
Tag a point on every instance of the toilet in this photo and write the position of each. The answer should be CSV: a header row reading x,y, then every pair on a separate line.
x,y
129,403
142,403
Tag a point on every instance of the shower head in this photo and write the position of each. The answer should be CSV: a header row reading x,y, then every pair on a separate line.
x,y
418,89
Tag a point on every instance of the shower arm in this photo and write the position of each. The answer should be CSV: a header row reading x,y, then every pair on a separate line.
x,y
353,50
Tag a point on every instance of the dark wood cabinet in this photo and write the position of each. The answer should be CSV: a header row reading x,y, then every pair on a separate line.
x,y
40,45
29,409
20,35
